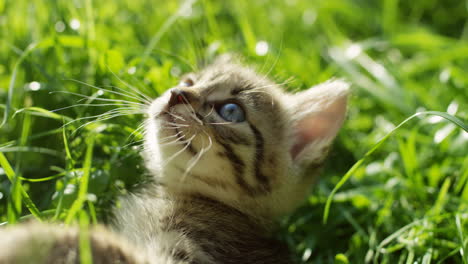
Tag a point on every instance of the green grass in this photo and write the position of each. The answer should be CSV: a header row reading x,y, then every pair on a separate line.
x,y
406,202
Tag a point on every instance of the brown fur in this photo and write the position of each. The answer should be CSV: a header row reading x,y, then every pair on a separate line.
x,y
224,234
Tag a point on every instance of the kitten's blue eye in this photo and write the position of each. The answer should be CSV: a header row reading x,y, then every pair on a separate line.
x,y
232,113
187,82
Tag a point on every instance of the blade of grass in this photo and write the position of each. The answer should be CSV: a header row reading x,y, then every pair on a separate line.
x,y
462,181
14,203
65,144
90,39
345,178
11,86
26,199
44,179
37,111
441,198
15,198
405,228
35,136
40,150
461,236
92,212
82,194
85,245
70,168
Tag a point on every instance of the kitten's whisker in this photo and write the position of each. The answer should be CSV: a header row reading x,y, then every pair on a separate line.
x,y
111,112
133,142
77,105
209,113
256,90
134,133
125,93
287,81
193,161
180,151
97,120
276,59
220,123
180,140
102,117
170,137
100,99
170,127
173,143
191,111
175,124
175,116
115,112
265,75
148,99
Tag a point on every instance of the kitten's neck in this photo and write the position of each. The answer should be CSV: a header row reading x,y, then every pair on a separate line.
x,y
193,204
193,223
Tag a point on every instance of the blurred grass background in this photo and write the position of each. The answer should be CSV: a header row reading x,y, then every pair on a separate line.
x,y
407,204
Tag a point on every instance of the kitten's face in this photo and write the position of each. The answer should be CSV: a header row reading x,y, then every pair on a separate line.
x,y
234,136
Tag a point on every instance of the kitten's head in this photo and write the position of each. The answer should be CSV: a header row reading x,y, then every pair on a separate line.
x,y
234,136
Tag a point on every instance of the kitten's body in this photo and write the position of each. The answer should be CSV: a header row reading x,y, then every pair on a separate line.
x,y
229,152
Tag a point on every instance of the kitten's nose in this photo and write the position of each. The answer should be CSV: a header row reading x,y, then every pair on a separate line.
x,y
177,97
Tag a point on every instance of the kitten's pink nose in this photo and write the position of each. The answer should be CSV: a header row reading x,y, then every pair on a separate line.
x,y
178,96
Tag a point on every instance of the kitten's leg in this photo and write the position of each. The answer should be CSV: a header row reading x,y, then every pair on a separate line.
x,y
52,244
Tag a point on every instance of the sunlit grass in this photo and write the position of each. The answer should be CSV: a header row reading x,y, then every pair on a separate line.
x,y
405,203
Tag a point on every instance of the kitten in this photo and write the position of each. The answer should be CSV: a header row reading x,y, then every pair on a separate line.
x,y
229,152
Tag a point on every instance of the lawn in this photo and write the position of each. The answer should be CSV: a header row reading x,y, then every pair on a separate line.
x,y
404,201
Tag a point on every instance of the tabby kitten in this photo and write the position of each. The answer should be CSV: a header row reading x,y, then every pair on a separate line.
x,y
229,153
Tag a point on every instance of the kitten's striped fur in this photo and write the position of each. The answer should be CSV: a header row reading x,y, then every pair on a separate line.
x,y
218,186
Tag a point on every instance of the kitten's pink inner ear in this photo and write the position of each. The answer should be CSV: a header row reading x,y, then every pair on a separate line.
x,y
322,124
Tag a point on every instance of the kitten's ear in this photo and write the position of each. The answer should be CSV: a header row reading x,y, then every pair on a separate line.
x,y
317,115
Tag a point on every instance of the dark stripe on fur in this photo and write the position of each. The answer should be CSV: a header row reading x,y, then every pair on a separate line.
x,y
258,162
211,182
238,167
104,248
189,144
231,136
240,89
180,254
191,149
243,242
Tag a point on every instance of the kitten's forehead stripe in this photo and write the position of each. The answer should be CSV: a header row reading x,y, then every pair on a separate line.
x,y
242,88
